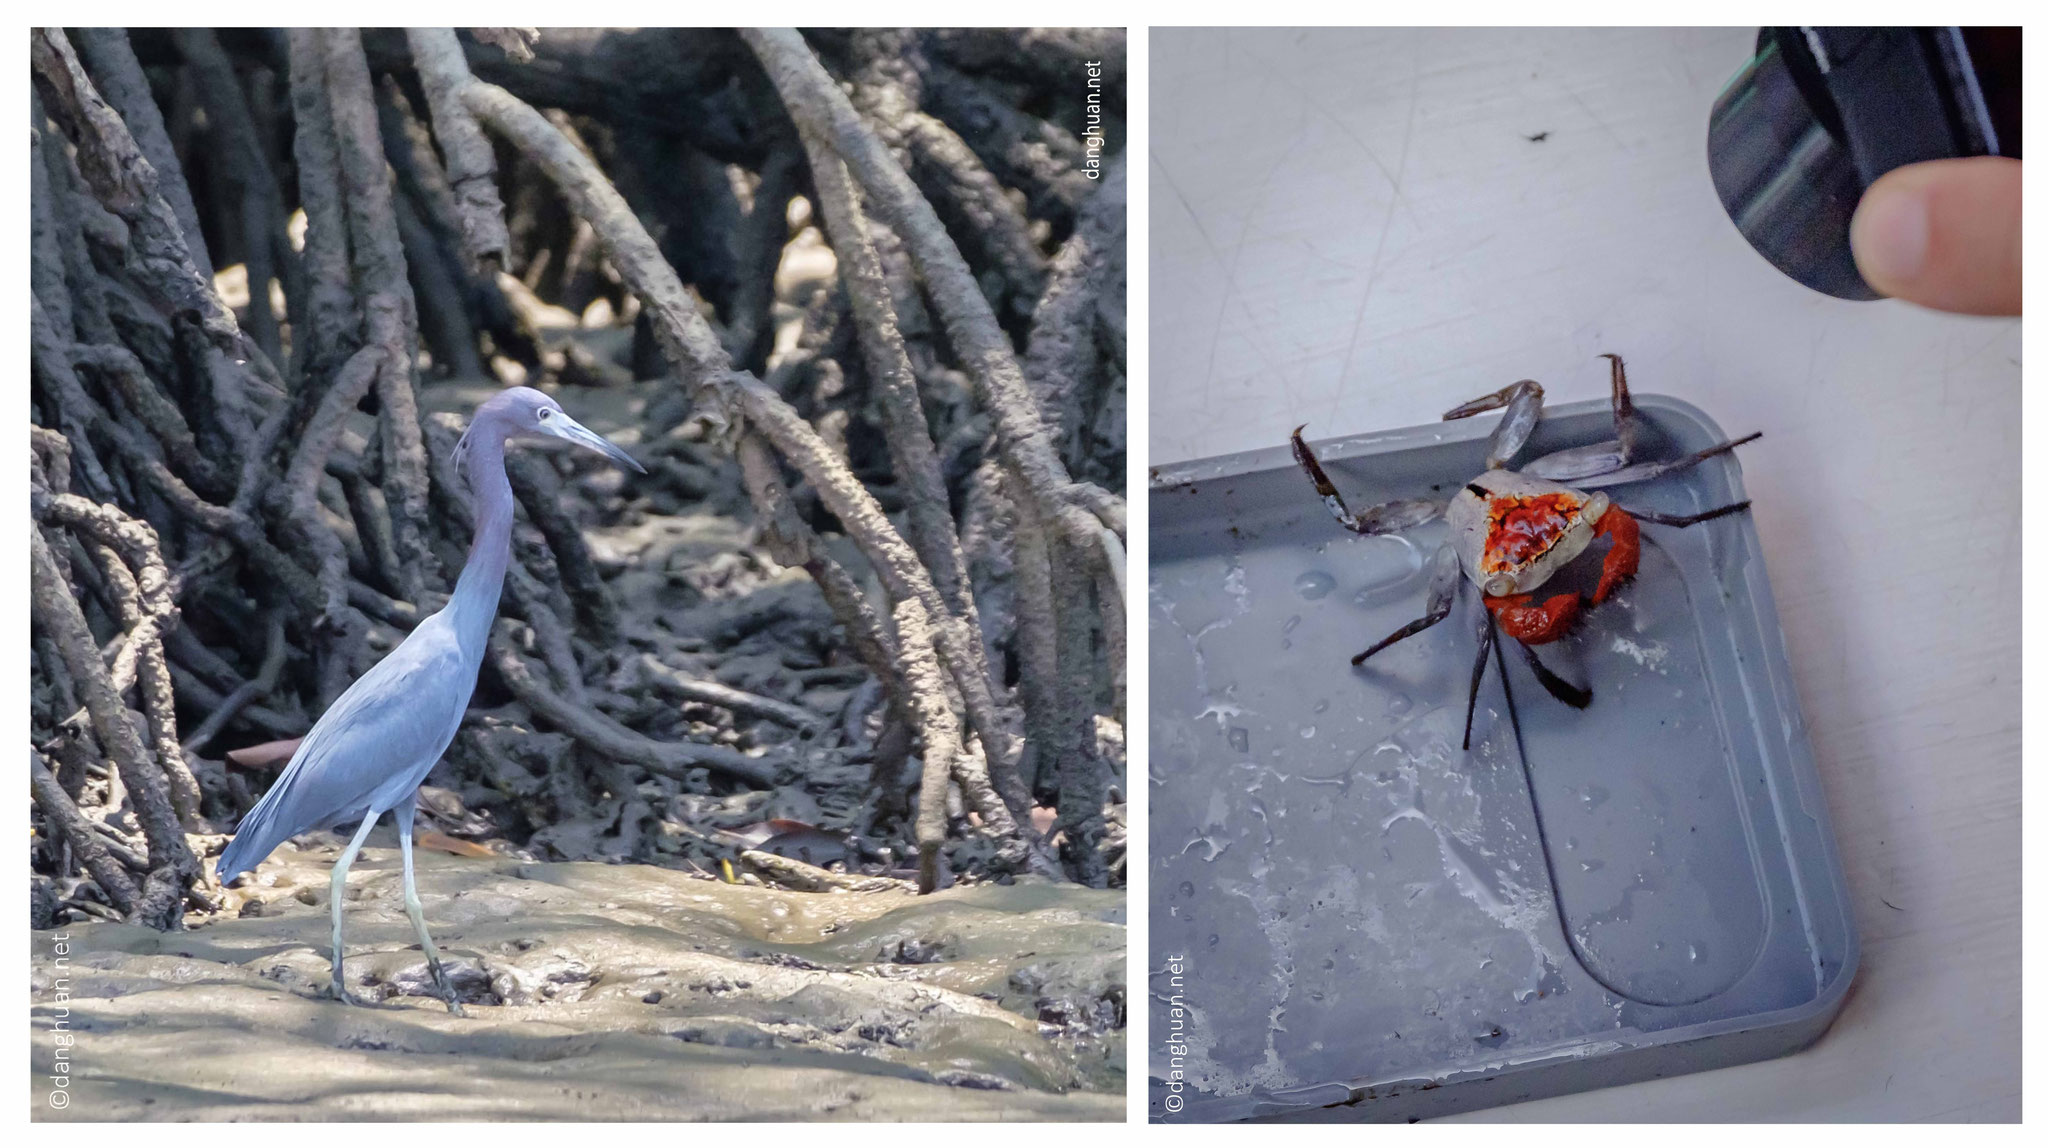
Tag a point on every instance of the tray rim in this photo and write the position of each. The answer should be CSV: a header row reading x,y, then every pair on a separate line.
x,y
1818,1013
1361,444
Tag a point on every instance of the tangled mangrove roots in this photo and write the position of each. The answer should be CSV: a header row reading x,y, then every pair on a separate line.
x,y
855,299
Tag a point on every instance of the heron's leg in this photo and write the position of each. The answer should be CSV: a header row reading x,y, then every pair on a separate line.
x,y
339,885
404,812
1444,575
1524,401
1386,518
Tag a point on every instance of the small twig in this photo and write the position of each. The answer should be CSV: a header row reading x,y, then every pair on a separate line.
x,y
793,874
249,691
674,682
116,842
197,692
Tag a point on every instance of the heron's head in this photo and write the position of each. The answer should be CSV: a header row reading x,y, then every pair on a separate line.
x,y
525,411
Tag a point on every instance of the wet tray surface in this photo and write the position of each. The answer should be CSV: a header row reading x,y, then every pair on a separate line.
x,y
1352,918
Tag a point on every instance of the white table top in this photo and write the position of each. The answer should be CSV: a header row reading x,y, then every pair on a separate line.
x,y
1349,228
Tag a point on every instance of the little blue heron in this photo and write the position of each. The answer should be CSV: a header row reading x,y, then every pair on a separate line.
x,y
374,745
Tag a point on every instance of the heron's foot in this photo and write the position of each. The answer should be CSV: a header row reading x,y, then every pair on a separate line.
x,y
446,987
337,990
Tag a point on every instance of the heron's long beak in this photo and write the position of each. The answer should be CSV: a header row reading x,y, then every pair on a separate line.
x,y
562,426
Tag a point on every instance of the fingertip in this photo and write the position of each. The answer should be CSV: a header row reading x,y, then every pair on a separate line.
x,y
1889,235
1944,234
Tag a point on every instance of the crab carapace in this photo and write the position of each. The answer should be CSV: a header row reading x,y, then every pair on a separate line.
x,y
1511,531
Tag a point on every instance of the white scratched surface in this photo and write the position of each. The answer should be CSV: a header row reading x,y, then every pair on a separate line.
x,y
1349,229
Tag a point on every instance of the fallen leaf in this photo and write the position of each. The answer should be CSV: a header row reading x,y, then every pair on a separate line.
x,y
268,755
442,843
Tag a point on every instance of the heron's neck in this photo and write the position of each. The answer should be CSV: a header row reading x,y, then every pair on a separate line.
x,y
474,605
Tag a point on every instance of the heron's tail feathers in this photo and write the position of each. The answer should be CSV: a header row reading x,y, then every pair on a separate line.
x,y
242,854
255,838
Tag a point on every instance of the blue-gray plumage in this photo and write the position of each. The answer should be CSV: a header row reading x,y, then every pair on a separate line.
x,y
374,746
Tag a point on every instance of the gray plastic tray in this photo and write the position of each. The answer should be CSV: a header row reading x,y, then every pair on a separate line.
x,y
1370,923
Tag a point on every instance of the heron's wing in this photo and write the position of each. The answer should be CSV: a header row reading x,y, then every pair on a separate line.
x,y
393,723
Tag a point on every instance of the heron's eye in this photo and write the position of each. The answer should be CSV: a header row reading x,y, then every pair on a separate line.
x,y
545,414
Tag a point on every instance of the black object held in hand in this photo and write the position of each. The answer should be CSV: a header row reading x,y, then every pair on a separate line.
x,y
1818,114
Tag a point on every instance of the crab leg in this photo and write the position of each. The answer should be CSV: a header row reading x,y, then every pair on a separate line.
x,y
1607,463
1689,519
1601,457
1644,471
1444,577
1560,689
1524,401
1532,626
1386,518
1486,640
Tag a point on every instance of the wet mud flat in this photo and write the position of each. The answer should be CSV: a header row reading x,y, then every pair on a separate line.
x,y
595,991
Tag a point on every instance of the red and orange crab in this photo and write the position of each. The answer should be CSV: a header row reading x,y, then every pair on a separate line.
x,y
1511,531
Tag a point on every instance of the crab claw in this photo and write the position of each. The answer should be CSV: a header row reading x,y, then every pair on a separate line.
x,y
1622,556
1534,625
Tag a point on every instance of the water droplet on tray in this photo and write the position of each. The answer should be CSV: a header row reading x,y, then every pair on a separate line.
x,y
1314,585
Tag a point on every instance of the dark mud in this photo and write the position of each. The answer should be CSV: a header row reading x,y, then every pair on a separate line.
x,y
598,992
